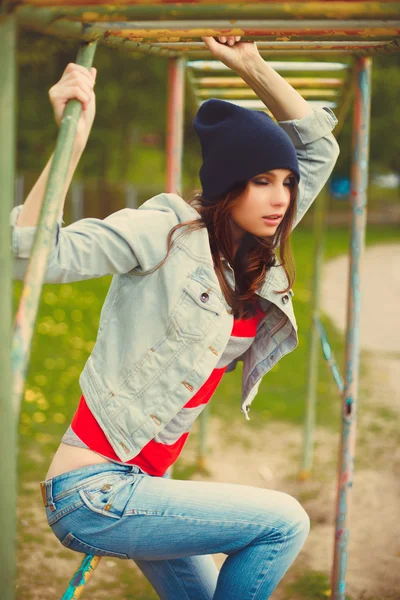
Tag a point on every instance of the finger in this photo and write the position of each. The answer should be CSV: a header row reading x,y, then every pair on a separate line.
x,y
222,39
211,43
73,69
237,38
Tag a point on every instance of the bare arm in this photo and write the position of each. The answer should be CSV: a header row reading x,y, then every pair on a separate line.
x,y
278,95
29,215
76,82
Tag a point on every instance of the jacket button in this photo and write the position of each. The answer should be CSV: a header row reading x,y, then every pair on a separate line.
x,y
204,297
285,299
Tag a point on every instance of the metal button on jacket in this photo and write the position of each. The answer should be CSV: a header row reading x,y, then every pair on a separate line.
x,y
204,297
285,299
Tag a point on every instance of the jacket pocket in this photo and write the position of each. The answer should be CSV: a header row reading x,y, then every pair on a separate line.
x,y
197,309
111,499
73,543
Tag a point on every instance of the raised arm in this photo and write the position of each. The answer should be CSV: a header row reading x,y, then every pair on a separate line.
x,y
309,129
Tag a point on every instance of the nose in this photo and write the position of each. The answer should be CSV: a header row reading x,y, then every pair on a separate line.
x,y
281,196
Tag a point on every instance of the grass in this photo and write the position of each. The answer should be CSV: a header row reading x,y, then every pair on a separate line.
x,y
310,586
64,336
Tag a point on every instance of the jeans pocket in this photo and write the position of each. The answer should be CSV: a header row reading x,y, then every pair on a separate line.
x,y
111,497
73,543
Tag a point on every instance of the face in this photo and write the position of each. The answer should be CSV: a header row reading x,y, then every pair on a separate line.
x,y
266,195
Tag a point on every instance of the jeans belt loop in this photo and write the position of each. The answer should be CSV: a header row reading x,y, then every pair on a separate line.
x,y
46,488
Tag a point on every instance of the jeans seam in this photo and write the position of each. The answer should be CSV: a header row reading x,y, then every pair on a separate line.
x,y
278,554
78,487
176,578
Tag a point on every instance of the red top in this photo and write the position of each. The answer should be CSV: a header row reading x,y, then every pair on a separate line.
x,y
155,457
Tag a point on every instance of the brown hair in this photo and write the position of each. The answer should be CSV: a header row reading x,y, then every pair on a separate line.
x,y
255,255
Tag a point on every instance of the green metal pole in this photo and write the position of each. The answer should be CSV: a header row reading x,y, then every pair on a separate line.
x,y
313,355
27,310
8,420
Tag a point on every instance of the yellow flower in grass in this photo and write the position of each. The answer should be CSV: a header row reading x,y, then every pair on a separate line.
x,y
38,417
44,438
30,395
58,418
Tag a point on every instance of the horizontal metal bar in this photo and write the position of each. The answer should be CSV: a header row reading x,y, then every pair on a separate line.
x,y
346,45
87,12
318,53
237,82
328,354
257,25
312,66
259,105
283,25
247,93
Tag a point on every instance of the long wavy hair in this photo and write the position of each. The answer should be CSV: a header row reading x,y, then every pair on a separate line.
x,y
255,255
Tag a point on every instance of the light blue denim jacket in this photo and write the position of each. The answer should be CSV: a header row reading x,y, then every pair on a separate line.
x,y
159,336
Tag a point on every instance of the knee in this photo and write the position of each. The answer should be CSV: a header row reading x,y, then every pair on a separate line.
x,y
298,519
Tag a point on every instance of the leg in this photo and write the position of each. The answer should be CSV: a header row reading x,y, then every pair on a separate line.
x,y
189,578
155,519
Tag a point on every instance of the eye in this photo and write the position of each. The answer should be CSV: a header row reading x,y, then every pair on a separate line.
x,y
290,183
260,181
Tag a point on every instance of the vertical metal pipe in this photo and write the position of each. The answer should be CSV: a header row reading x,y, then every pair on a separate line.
x,y
175,114
8,420
313,354
359,182
30,297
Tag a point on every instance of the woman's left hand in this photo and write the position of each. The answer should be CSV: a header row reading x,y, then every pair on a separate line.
x,y
232,52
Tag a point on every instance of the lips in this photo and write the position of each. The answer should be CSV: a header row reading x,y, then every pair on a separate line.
x,y
272,220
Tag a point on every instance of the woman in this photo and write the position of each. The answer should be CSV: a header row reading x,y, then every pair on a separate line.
x,y
197,286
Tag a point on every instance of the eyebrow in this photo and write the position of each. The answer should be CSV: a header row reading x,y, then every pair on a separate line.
x,y
271,173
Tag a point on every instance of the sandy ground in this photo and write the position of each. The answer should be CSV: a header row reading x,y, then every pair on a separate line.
x,y
271,458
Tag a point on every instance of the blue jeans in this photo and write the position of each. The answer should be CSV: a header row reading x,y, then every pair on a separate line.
x,y
170,528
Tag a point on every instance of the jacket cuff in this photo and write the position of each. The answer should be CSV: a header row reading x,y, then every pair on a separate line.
x,y
22,238
311,127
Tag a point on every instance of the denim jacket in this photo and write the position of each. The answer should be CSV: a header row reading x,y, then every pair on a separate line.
x,y
162,332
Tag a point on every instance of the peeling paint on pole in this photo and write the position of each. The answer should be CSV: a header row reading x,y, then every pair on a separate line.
x,y
359,179
81,577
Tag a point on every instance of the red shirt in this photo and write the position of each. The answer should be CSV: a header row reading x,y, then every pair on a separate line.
x,y
156,457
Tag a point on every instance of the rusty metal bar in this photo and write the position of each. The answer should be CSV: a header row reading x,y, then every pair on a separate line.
x,y
259,105
237,82
281,66
8,418
175,114
359,183
87,12
251,30
28,306
246,93
197,49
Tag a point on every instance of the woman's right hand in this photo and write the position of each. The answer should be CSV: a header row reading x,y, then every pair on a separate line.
x,y
76,82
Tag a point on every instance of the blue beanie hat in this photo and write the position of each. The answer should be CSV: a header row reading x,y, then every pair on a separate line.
x,y
238,144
